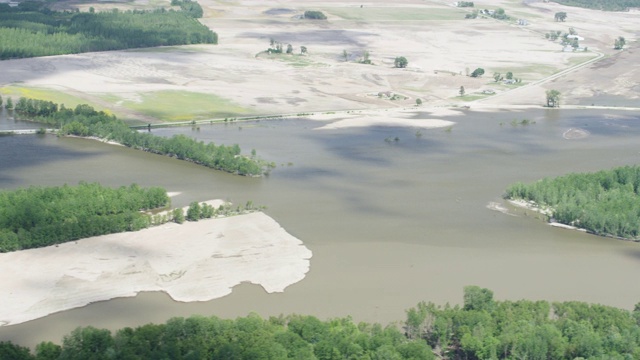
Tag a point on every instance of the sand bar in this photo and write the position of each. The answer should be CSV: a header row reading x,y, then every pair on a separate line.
x,y
195,261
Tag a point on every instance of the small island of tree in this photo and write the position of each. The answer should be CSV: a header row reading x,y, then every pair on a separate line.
x,y
604,203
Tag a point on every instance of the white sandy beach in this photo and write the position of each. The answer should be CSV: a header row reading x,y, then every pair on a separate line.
x,y
195,261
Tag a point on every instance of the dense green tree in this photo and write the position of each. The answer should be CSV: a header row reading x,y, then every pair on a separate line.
x,y
400,62
11,351
88,343
477,72
604,203
477,298
314,15
43,216
9,104
41,32
619,43
608,5
500,14
194,212
553,98
178,215
560,16
482,329
48,351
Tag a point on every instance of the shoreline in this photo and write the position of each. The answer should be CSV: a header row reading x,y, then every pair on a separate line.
x,y
529,205
194,261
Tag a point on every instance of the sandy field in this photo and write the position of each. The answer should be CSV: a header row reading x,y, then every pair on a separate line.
x,y
195,261
204,260
440,45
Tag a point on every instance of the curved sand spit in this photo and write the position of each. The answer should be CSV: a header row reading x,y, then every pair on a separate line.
x,y
195,261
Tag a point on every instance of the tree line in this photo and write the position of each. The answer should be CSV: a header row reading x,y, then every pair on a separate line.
x,y
28,31
85,121
608,5
604,203
42,216
480,329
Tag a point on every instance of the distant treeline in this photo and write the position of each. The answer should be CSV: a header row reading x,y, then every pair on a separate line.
x,y
30,30
481,329
605,203
85,121
608,5
190,7
42,216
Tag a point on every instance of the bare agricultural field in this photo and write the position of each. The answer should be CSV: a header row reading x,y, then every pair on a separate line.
x,y
236,78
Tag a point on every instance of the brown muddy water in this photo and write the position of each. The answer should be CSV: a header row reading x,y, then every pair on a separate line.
x,y
389,223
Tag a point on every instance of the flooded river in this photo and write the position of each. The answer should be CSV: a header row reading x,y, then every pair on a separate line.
x,y
390,223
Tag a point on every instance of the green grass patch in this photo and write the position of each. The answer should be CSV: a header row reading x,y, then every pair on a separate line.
x,y
182,106
528,71
55,96
524,15
471,97
575,60
293,60
369,13
174,49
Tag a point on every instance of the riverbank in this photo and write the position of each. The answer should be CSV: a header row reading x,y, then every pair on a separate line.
x,y
195,261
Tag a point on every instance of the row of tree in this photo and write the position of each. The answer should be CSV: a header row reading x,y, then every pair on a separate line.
x,y
42,216
605,203
608,5
85,121
31,33
481,329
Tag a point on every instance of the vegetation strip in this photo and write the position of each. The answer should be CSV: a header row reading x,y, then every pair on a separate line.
x,y
607,5
42,216
481,329
604,203
85,121
31,29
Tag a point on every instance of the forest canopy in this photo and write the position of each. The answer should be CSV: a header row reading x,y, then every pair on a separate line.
x,y
84,120
41,216
482,328
31,30
605,203
607,5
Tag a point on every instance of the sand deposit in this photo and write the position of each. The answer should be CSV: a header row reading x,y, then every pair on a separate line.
x,y
195,261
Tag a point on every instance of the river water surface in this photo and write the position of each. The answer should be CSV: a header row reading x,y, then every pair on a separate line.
x,y
389,223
